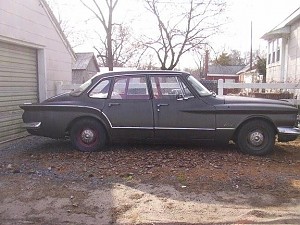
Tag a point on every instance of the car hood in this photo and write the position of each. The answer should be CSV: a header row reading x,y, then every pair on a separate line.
x,y
239,100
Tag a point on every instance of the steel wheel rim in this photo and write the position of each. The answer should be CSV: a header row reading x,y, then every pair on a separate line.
x,y
88,136
256,138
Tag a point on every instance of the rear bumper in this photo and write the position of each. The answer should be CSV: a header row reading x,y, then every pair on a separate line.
x,y
288,133
32,125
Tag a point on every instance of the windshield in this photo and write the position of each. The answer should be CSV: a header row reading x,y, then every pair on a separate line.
x,y
198,86
81,88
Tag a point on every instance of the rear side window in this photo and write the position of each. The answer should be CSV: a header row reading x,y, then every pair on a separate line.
x,y
78,91
130,87
100,90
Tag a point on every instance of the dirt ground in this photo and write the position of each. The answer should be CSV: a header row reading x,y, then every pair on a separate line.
x,y
45,181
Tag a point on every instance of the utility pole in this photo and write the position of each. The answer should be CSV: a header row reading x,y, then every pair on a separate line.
x,y
251,49
206,63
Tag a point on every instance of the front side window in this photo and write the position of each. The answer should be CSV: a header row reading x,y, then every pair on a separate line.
x,y
169,87
100,90
198,86
130,87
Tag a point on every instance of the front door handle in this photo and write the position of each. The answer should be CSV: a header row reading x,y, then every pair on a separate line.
x,y
113,104
161,104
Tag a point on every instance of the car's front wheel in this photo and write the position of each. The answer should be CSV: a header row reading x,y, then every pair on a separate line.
x,y
256,137
87,135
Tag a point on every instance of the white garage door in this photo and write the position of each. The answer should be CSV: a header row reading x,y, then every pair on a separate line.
x,y
18,84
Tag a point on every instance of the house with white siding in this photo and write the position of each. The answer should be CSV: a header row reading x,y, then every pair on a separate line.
x,y
283,60
34,55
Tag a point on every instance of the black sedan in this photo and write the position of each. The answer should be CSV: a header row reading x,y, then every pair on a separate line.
x,y
160,106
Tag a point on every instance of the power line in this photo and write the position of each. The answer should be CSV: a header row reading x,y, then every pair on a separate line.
x,y
177,2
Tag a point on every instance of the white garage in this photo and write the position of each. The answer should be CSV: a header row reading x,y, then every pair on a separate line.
x,y
18,84
34,56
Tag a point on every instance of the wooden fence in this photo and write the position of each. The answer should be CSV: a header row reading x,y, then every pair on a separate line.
x,y
293,89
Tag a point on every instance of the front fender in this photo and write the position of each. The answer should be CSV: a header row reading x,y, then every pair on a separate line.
x,y
229,117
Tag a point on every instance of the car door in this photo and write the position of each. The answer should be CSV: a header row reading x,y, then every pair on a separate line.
x,y
129,108
178,114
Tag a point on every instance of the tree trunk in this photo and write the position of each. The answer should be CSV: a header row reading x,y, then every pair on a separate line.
x,y
110,59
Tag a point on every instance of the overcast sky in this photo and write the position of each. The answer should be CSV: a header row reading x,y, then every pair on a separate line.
x,y
264,14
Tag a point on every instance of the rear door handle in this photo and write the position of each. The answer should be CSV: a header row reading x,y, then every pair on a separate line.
x,y
161,104
113,104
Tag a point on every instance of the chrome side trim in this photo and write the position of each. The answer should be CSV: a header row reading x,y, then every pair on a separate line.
x,y
182,128
164,128
79,106
146,128
174,128
107,119
288,130
32,125
89,107
225,128
142,128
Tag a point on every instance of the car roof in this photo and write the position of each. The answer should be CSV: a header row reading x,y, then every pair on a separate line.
x,y
136,72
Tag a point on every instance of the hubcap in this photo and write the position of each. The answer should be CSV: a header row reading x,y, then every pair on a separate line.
x,y
256,138
87,136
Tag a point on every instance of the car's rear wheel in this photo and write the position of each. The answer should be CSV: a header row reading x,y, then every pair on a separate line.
x,y
87,135
256,137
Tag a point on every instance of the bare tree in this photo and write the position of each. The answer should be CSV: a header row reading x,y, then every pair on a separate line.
x,y
148,63
124,47
75,37
194,23
107,24
198,56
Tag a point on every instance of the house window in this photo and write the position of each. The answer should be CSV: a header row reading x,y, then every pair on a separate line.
x,y
278,55
229,80
269,58
274,51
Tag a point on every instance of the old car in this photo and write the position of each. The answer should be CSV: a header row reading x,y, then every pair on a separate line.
x,y
159,106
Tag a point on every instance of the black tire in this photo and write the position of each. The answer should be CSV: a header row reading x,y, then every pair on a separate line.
x,y
87,135
256,137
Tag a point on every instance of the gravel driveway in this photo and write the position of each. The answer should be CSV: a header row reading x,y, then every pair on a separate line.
x,y
45,181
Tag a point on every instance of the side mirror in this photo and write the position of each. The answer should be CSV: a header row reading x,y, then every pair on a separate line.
x,y
179,97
